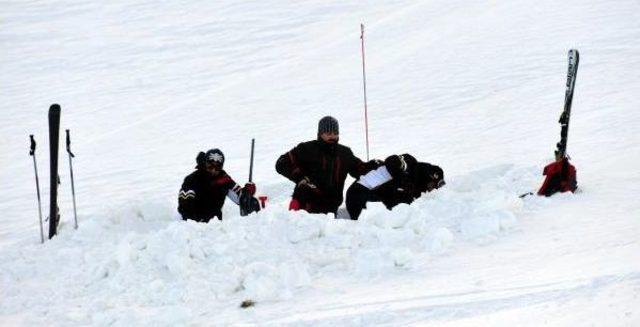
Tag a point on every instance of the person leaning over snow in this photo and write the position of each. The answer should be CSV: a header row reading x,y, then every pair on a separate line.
x,y
400,179
203,192
319,169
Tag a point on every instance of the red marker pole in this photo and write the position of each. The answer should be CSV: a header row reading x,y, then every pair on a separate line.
x,y
364,80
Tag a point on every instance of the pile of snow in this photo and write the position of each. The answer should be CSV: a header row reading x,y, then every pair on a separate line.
x,y
138,263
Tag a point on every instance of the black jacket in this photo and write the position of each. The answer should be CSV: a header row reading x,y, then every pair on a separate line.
x,y
404,187
409,179
202,195
326,166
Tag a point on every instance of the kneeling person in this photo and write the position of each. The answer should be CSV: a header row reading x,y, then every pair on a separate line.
x,y
400,179
204,191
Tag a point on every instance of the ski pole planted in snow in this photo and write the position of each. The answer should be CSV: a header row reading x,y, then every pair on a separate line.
x,y
364,81
54,133
35,169
73,190
262,198
248,203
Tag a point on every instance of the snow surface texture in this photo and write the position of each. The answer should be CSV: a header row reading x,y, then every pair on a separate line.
x,y
475,87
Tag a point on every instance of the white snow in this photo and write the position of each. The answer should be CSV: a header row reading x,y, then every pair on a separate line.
x,y
473,86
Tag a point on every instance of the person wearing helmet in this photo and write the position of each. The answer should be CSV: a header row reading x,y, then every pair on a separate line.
x,y
204,191
319,169
400,179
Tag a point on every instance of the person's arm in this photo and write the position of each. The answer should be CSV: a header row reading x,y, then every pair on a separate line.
x,y
290,165
187,198
400,165
358,168
233,189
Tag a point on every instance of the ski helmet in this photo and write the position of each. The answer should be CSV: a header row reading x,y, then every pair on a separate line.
x,y
427,173
214,156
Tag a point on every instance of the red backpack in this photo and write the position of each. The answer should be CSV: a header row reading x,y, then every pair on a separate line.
x,y
561,177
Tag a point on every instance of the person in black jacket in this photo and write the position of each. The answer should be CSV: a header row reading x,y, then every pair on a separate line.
x,y
204,191
400,179
319,169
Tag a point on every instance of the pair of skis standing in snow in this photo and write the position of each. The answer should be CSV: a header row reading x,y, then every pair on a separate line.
x,y
54,212
319,169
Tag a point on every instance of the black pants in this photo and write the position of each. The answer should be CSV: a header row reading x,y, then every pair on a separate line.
x,y
357,198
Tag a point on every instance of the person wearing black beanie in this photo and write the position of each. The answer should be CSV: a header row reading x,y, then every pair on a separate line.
x,y
319,169
329,125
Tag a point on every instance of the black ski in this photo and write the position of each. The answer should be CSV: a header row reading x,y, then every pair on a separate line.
x,y
560,174
574,60
54,133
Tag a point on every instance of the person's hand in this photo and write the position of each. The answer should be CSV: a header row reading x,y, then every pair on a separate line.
x,y
373,164
250,188
306,182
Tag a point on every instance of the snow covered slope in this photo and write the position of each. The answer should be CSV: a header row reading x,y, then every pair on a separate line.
x,y
473,86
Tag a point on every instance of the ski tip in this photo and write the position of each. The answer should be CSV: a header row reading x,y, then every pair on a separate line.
x,y
55,106
32,148
574,54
